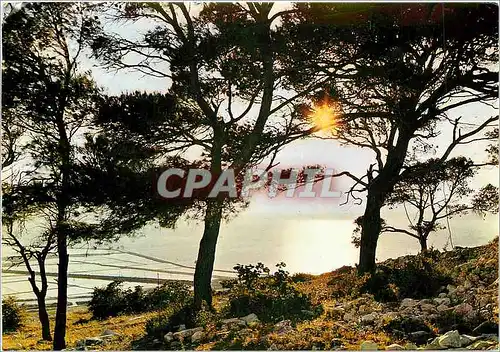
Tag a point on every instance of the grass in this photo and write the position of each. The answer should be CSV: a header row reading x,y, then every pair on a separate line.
x,y
79,326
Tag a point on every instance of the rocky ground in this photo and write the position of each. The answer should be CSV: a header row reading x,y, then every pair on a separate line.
x,y
462,313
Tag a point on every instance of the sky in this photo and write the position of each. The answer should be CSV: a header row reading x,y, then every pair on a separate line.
x,y
305,152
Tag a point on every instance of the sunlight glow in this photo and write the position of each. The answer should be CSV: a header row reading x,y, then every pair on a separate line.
x,y
324,116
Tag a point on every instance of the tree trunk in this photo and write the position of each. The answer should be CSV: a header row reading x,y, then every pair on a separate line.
x,y
371,226
62,292
206,254
44,319
423,244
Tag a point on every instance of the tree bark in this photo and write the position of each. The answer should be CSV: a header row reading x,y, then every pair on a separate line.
x,y
371,226
206,254
423,244
62,293
44,319
378,189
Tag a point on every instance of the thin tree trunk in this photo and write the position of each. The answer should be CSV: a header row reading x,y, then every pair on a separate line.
x,y
62,292
206,254
44,319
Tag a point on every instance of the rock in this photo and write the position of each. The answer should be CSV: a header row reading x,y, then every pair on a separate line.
x,y
451,288
169,337
408,302
410,346
197,336
480,345
369,318
483,301
182,327
368,346
427,307
450,339
176,346
108,332
486,327
250,318
442,295
93,341
233,323
442,301
181,335
394,347
463,309
349,317
465,340
389,316
442,307
283,327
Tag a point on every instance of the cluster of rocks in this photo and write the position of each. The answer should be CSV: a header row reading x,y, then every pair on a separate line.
x,y
82,345
450,340
175,340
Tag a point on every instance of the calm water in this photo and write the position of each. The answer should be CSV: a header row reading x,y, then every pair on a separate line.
x,y
306,243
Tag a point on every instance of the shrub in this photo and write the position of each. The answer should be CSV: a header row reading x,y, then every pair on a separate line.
x,y
11,314
271,296
414,276
113,300
302,277
108,301
170,319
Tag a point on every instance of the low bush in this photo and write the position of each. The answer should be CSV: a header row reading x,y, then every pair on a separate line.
x,y
413,277
12,314
113,300
171,318
272,297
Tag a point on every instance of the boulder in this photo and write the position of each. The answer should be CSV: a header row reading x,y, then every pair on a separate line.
x,y
408,302
442,295
233,323
368,346
197,336
394,347
463,309
283,327
427,307
369,318
250,319
169,337
181,335
450,339
465,340
451,288
442,307
442,301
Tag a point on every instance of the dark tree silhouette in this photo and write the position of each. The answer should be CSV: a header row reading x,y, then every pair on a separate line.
x,y
439,193
51,100
229,63
411,65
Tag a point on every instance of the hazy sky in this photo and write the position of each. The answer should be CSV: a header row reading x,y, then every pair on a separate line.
x,y
310,151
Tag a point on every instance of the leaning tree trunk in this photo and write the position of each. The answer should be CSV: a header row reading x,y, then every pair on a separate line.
x,y
62,292
206,254
371,226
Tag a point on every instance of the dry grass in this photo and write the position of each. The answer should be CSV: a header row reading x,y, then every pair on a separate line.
x,y
130,328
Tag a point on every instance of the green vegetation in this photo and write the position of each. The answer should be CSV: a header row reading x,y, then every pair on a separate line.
x,y
11,314
113,300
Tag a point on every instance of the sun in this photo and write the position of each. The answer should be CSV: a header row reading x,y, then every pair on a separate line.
x,y
324,116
